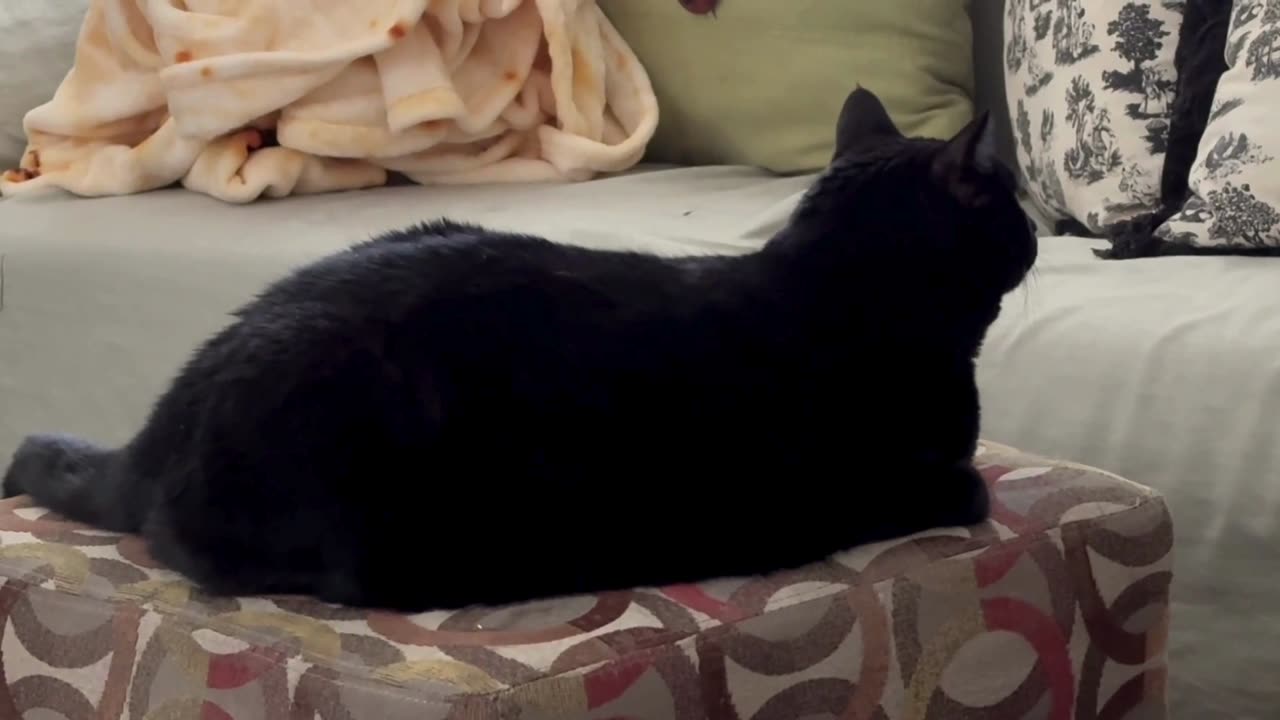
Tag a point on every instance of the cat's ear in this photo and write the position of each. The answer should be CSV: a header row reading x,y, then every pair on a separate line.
x,y
863,119
968,157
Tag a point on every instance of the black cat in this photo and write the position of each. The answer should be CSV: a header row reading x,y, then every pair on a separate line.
x,y
448,415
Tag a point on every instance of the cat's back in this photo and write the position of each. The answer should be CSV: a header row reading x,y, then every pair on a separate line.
x,y
453,295
448,277
448,262
403,266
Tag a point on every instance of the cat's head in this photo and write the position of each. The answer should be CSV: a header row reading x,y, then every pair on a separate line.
x,y
941,214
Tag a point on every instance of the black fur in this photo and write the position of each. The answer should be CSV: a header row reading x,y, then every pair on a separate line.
x,y
449,415
1200,62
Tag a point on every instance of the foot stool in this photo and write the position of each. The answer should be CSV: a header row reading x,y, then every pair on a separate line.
x,y
1057,608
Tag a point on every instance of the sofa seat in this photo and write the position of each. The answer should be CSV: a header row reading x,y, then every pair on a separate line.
x,y
1056,608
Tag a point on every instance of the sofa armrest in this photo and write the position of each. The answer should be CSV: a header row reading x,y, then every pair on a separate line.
x,y
1057,607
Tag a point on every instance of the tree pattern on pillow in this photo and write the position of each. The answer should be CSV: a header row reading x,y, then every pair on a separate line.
x,y
1264,48
1109,88
1235,183
1072,33
1230,154
1241,216
1139,38
1040,170
1031,23
1222,106
1094,154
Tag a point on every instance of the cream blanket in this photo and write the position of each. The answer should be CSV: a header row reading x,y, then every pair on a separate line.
x,y
241,98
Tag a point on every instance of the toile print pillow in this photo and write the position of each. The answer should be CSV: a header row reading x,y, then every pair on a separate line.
x,y
1234,204
1090,85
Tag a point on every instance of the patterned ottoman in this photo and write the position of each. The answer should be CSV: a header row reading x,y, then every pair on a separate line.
x,y
1057,609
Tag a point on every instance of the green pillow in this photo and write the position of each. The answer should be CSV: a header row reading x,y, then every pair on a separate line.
x,y
762,82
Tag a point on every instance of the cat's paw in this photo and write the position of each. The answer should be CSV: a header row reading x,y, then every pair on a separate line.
x,y
962,497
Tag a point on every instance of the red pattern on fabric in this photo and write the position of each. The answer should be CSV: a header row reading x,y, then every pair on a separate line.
x,y
1042,633
609,683
695,598
237,669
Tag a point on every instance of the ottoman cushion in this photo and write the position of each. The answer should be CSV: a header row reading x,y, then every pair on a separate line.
x,y
1056,608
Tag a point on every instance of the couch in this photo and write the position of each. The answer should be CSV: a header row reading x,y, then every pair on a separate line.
x,y
1164,371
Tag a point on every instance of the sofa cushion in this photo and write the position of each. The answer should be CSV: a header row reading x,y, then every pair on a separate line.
x,y
762,82
1090,85
1060,603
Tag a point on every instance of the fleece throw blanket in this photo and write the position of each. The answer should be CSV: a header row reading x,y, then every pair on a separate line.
x,y
244,98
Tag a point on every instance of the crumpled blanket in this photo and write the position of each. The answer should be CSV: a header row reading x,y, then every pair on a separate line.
x,y
244,98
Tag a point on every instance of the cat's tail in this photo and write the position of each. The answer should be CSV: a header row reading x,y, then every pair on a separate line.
x,y
77,480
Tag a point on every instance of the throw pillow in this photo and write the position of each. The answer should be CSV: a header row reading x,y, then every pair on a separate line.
x,y
37,46
1200,63
1234,206
1090,84
760,82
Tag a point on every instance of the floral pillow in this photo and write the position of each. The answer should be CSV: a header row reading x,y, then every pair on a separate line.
x,y
1090,85
1234,205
